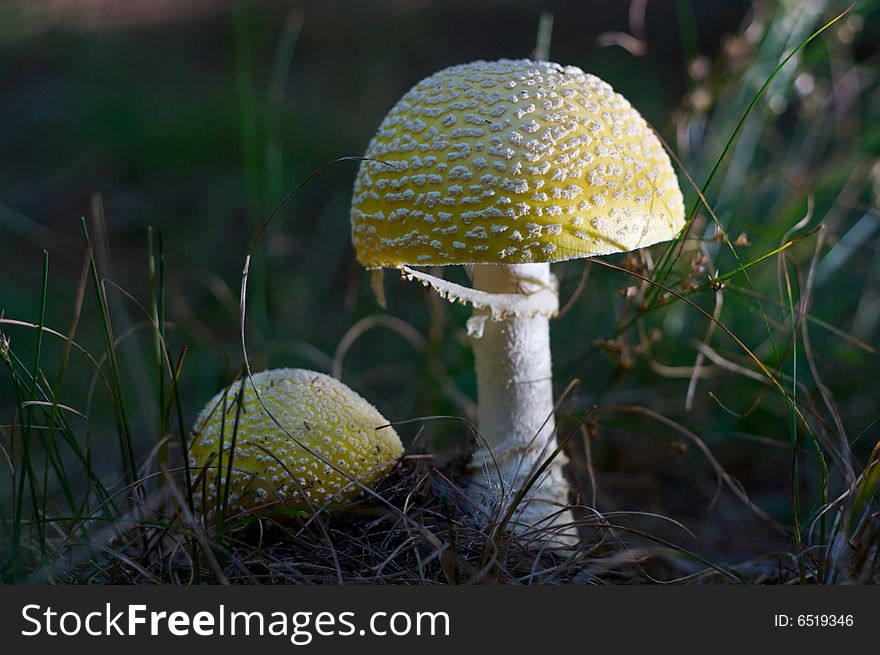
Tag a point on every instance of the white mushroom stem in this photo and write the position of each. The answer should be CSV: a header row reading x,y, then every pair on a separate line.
x,y
510,333
515,395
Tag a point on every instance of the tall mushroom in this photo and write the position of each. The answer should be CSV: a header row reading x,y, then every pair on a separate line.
x,y
508,166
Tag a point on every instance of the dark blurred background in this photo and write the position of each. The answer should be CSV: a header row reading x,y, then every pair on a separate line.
x,y
199,116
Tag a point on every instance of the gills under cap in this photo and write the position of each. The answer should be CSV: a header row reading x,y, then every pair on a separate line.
x,y
511,161
320,412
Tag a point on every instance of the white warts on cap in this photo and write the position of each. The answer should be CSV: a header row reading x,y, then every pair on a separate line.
x,y
521,161
317,436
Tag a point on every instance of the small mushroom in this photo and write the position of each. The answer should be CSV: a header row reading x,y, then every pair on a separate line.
x,y
318,445
509,166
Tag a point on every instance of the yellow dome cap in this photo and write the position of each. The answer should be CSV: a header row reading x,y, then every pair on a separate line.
x,y
511,161
322,413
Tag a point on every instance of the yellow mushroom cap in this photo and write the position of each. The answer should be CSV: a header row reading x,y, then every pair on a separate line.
x,y
320,412
511,161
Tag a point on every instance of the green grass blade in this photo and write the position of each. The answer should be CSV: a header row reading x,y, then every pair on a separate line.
x,y
673,252
126,444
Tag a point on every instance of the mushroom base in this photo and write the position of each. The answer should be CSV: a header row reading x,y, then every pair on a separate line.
x,y
515,394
